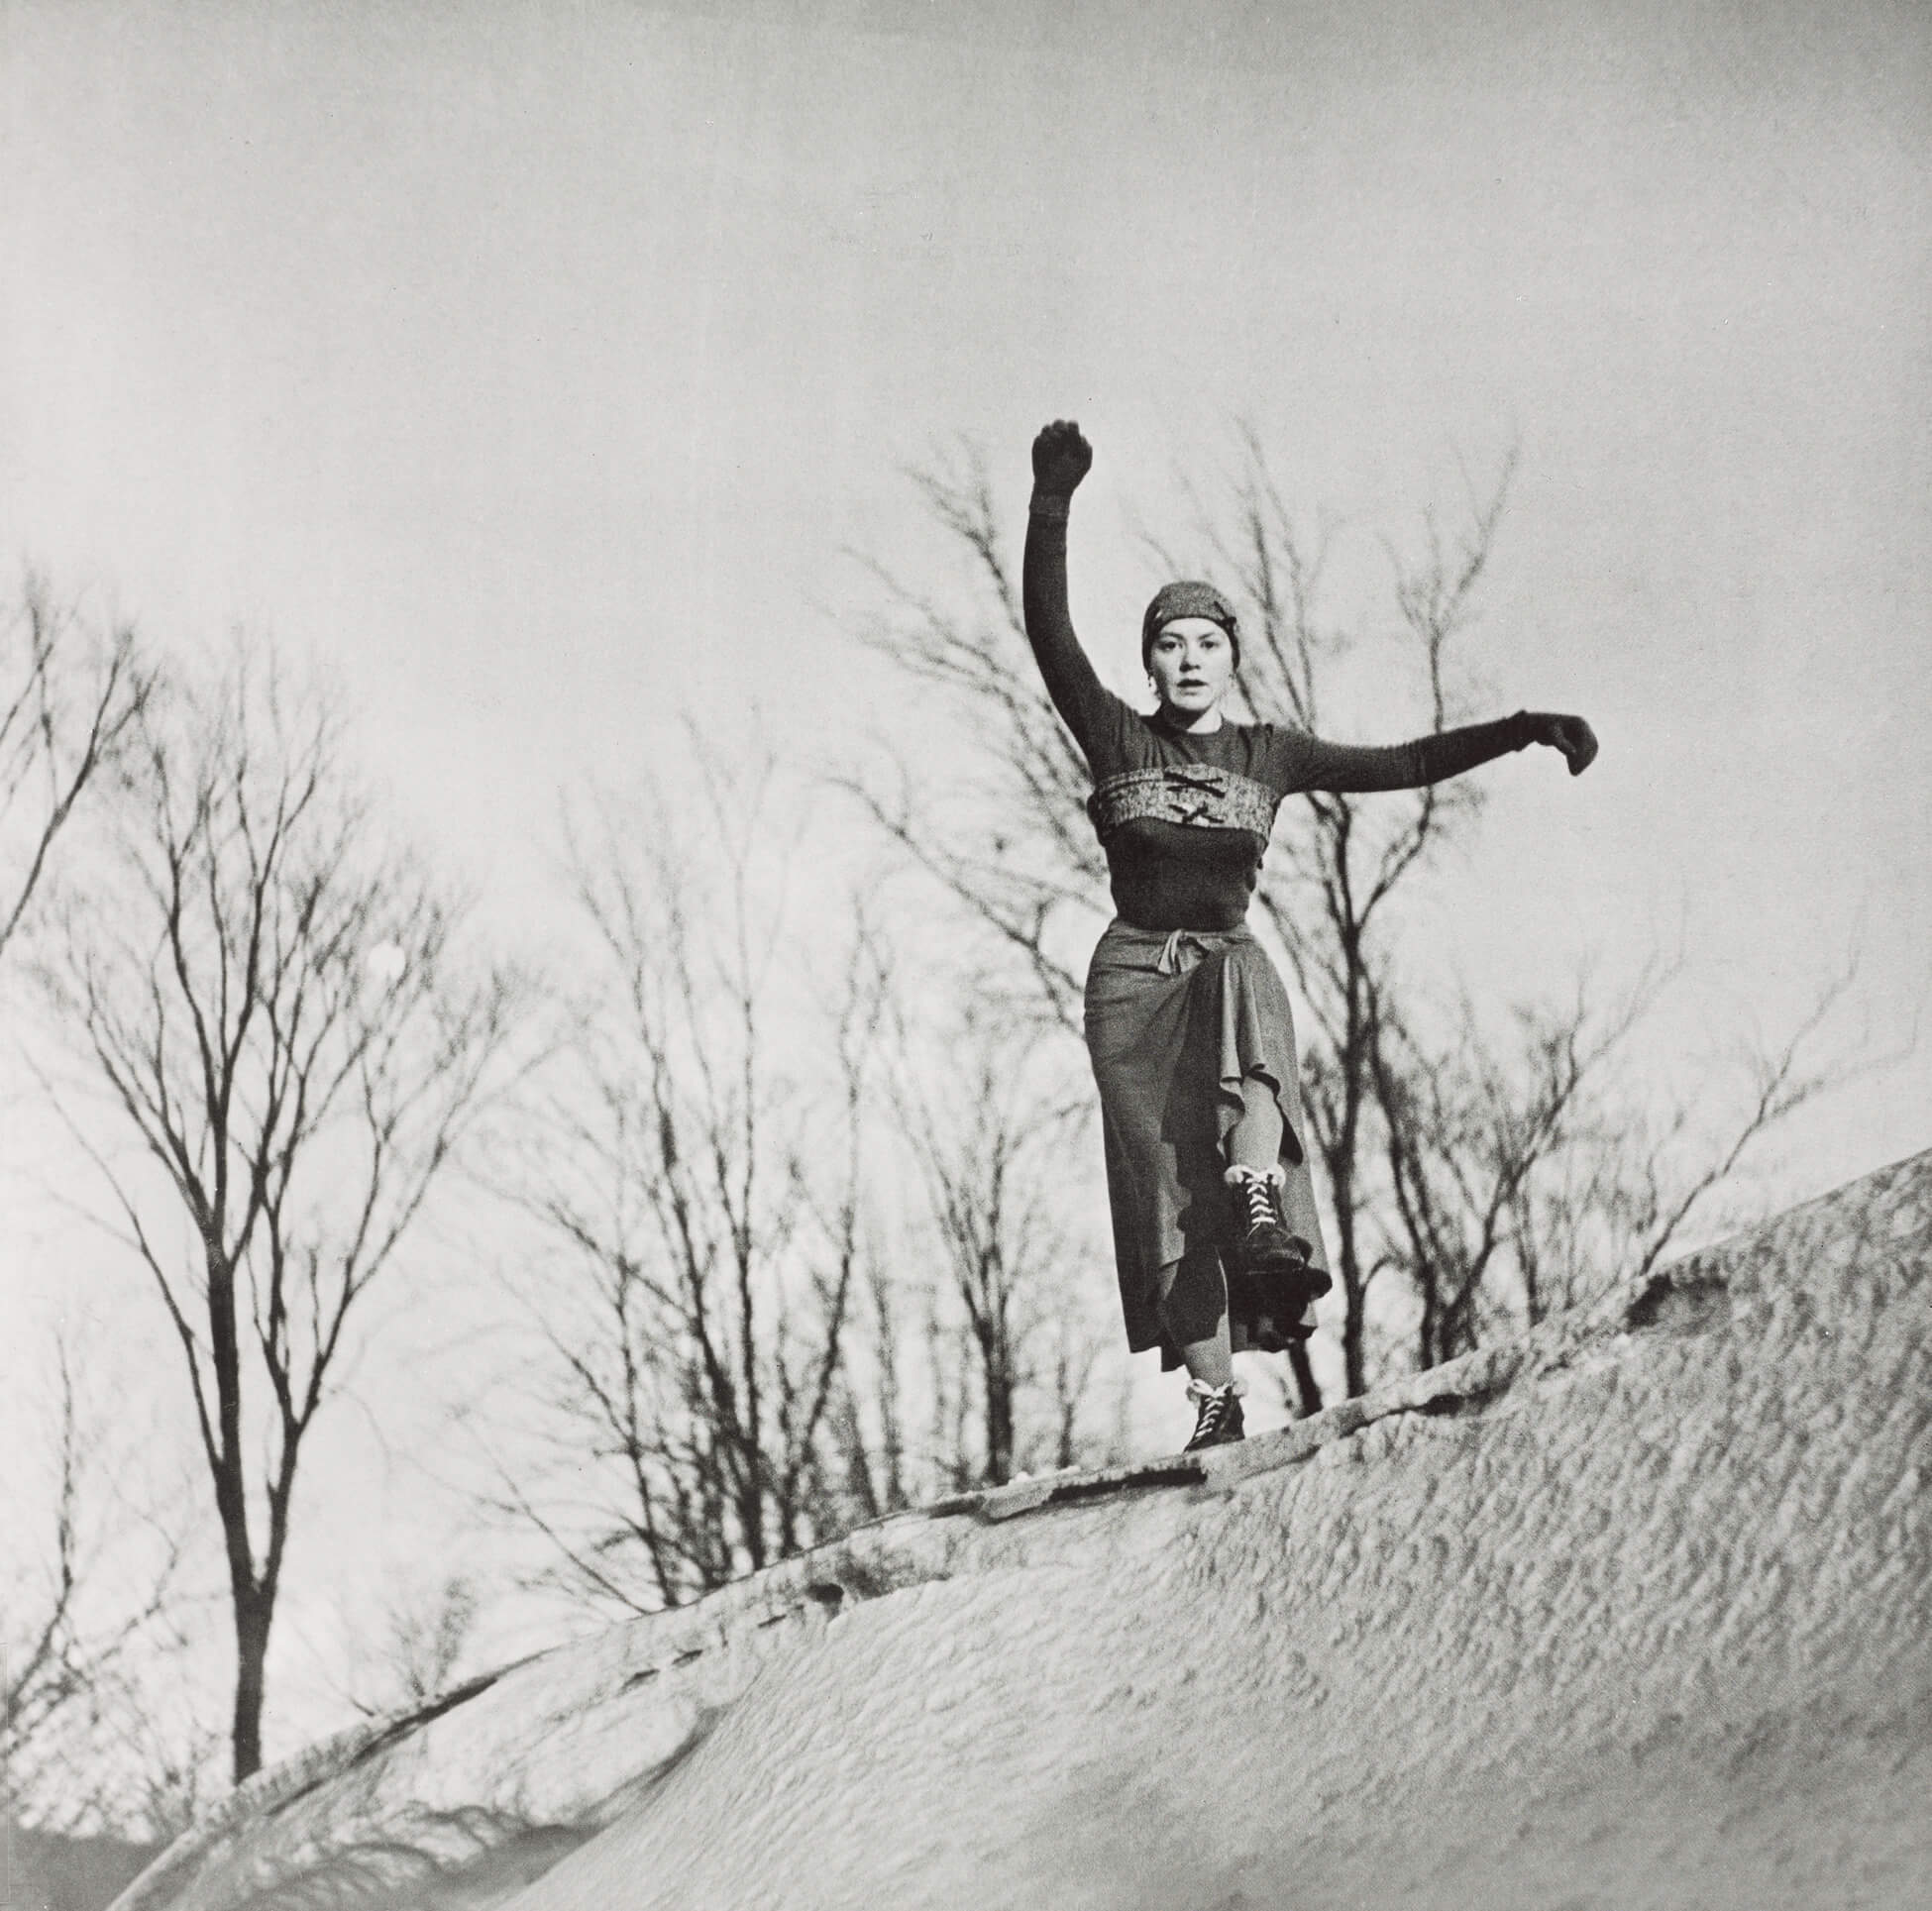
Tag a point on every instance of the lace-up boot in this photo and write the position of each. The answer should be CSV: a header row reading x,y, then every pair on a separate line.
x,y
1275,1258
1218,1420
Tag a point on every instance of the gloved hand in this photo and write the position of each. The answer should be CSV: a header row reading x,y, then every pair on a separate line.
x,y
1061,458
1570,734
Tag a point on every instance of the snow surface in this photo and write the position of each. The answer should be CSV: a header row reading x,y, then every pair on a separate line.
x,y
1636,1611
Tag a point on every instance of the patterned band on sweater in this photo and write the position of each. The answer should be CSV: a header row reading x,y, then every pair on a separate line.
x,y
1200,794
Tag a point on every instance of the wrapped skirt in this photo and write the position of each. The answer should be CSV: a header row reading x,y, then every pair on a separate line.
x,y
1175,1023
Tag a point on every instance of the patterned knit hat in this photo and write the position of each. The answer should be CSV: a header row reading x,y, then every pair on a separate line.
x,y
1188,598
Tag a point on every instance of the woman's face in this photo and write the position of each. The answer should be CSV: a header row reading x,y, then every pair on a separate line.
x,y
1192,664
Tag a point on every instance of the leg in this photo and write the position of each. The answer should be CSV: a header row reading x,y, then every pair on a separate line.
x,y
1255,1142
1208,1360
1268,1250
1194,1310
1190,1289
1253,1150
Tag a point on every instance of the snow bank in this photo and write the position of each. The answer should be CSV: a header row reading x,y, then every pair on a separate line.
x,y
1635,1610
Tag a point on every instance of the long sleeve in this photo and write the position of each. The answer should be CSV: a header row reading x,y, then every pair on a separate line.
x,y
1298,760
1090,709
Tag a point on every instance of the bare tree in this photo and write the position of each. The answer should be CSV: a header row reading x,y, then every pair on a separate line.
x,y
1333,881
426,1640
1522,1178
1474,1133
871,1471
1648,1178
991,1141
703,1206
67,699
407,1656
288,1043
74,1624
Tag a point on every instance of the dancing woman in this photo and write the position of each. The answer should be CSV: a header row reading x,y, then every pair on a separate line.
x,y
1216,1236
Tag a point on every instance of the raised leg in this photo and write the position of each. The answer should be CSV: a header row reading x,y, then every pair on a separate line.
x,y
1255,1142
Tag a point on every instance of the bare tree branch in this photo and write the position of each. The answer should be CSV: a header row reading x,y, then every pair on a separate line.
x,y
66,1644
273,1007
707,1212
990,1138
67,700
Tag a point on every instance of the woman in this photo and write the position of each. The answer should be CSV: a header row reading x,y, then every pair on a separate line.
x,y
1216,1236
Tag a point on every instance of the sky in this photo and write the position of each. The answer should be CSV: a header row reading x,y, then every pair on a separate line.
x,y
542,368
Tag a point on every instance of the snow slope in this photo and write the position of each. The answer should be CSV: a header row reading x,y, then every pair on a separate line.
x,y
1635,1610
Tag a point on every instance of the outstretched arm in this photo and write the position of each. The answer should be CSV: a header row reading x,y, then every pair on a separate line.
x,y
1061,458
1308,763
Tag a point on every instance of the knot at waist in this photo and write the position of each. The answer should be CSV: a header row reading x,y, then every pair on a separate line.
x,y
1187,949
1167,952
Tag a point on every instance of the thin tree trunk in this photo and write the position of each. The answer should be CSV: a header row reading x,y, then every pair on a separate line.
x,y
1306,1385
253,1614
1349,1267
998,1364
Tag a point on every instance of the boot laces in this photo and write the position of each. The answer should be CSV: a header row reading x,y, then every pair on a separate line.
x,y
1260,1201
1215,1403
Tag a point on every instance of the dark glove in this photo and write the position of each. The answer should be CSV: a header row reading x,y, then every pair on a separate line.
x,y
1061,458
1570,734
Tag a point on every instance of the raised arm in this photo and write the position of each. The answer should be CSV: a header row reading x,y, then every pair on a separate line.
x,y
1304,762
1061,458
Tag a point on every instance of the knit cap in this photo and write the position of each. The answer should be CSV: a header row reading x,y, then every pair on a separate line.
x,y
1188,597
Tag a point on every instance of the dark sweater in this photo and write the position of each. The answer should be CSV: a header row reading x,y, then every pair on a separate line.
x,y
1194,875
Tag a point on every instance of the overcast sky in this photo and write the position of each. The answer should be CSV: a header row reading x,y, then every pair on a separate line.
x,y
540,366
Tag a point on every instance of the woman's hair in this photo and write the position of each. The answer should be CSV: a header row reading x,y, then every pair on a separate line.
x,y
1188,597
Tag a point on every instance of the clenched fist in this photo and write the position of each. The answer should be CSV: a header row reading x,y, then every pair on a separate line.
x,y
1570,734
1061,458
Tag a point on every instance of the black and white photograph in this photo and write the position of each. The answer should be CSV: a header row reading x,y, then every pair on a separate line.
x,y
965,956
